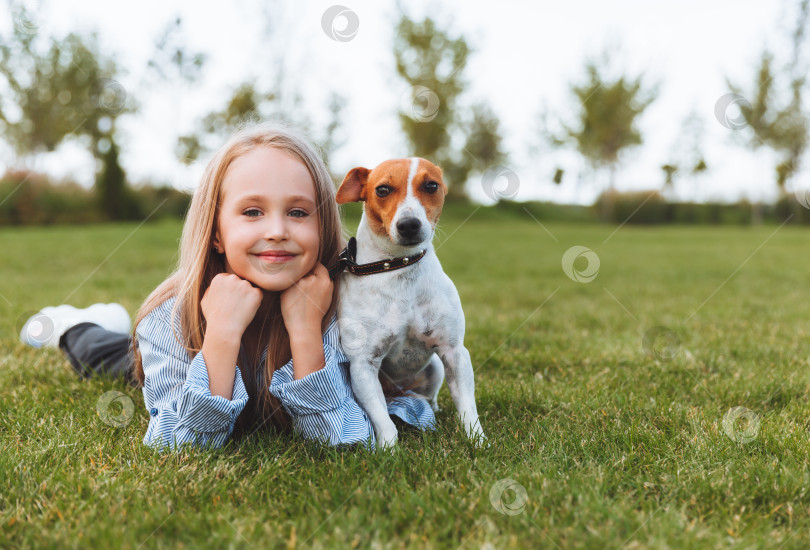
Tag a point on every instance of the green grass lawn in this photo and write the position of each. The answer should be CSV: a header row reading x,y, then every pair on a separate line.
x,y
595,443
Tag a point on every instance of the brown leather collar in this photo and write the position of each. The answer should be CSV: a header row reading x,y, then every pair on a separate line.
x,y
347,261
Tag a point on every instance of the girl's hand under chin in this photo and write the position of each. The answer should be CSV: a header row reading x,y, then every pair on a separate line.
x,y
230,303
304,304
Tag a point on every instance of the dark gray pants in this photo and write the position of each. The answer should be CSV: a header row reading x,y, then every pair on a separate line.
x,y
94,351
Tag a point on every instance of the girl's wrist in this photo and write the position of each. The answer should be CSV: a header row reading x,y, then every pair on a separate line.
x,y
304,331
307,353
224,332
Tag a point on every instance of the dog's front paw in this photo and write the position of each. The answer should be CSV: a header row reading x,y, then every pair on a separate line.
x,y
387,440
435,406
476,435
480,441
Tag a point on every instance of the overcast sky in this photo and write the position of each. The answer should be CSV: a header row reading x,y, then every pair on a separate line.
x,y
525,56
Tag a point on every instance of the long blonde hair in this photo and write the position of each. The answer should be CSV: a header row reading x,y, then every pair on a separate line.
x,y
198,264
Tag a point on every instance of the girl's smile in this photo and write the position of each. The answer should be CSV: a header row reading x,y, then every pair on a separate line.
x,y
274,256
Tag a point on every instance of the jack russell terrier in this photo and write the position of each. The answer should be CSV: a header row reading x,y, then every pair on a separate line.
x,y
401,320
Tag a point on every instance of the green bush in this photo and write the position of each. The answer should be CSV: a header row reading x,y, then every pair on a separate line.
x,y
787,206
29,198
650,207
151,201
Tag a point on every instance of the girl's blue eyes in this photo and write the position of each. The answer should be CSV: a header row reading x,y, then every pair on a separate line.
x,y
250,211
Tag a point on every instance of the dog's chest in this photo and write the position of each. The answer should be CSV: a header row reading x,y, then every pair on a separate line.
x,y
400,321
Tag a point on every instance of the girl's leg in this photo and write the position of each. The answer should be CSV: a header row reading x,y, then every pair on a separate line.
x,y
95,339
48,325
95,351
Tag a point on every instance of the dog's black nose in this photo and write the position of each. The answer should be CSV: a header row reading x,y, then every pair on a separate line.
x,y
408,227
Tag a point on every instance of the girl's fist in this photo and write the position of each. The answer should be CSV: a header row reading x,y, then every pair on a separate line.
x,y
230,303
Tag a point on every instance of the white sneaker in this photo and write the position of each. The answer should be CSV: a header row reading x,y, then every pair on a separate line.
x,y
46,327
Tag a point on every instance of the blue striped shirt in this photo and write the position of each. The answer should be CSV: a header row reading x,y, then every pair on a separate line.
x,y
182,410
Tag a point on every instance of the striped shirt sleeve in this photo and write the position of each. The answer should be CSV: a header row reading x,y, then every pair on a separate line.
x,y
322,404
181,407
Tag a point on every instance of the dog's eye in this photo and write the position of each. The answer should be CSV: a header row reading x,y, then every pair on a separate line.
x,y
382,190
431,186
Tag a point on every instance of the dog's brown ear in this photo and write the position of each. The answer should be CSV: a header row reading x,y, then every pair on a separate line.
x,y
351,190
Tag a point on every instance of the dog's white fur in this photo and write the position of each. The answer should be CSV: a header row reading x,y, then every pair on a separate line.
x,y
405,326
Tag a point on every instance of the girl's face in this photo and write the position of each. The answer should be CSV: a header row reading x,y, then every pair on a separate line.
x,y
268,205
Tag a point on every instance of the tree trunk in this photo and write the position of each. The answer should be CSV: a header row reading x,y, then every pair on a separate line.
x,y
608,198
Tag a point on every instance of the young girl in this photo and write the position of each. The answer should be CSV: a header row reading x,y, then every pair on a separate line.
x,y
242,337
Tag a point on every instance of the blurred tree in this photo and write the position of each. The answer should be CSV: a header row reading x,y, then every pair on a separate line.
x,y
270,96
173,64
484,146
117,201
558,176
669,174
694,161
332,140
245,104
61,89
782,125
687,156
607,112
172,60
460,141
248,104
